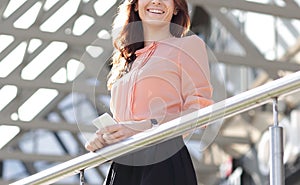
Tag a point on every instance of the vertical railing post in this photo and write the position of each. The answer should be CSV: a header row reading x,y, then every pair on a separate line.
x,y
81,177
276,149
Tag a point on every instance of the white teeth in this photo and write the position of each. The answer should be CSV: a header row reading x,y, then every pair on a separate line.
x,y
156,11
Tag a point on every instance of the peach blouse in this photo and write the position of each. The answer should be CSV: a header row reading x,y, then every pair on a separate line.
x,y
166,78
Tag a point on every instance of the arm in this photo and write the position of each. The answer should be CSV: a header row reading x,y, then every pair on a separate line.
x,y
115,133
196,89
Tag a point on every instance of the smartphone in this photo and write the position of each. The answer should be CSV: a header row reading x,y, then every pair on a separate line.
x,y
103,121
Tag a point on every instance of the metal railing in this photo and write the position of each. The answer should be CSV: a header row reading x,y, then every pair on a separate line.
x,y
206,116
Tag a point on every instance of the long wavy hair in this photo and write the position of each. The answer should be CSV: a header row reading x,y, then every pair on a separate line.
x,y
128,35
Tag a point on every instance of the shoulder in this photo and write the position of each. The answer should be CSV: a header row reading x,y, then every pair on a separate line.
x,y
192,41
194,52
193,55
193,46
188,44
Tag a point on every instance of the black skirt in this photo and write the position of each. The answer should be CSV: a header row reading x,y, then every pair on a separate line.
x,y
177,169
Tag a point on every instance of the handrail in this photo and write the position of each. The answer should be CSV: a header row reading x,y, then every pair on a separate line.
x,y
206,116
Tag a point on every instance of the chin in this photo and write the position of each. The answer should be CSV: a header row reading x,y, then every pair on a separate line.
x,y
156,22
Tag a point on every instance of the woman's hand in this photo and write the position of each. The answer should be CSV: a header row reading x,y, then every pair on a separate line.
x,y
95,143
115,133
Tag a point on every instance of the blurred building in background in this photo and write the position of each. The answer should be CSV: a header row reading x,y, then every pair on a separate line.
x,y
54,59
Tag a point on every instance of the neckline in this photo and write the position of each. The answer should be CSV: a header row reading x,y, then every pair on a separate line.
x,y
151,45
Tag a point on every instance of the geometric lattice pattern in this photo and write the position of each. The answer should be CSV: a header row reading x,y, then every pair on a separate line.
x,y
54,57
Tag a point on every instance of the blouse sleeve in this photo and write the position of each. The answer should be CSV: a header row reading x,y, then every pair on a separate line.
x,y
196,89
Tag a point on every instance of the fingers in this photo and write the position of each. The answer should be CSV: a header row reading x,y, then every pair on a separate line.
x,y
110,129
95,143
109,135
116,133
103,138
110,139
114,137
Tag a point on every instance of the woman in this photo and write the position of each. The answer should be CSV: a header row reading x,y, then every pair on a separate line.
x,y
158,74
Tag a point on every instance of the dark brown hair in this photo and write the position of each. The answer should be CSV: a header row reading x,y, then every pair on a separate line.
x,y
128,34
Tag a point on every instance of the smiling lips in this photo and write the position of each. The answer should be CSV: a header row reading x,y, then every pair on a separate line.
x,y
155,11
